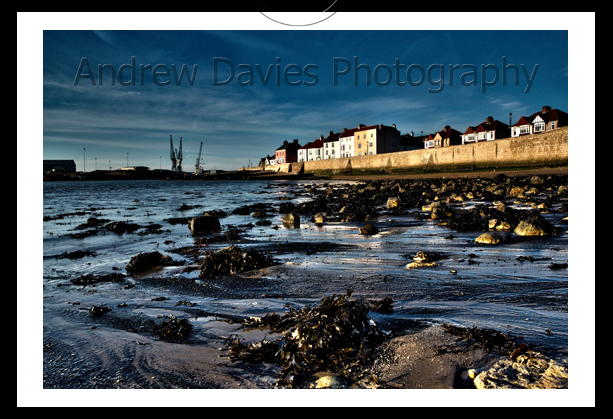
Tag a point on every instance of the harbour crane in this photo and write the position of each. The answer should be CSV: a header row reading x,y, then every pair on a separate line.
x,y
198,169
180,155
173,157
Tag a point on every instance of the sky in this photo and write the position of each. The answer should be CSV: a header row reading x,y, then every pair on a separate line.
x,y
239,124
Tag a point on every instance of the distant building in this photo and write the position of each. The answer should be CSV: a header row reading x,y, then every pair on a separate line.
x,y
332,146
545,120
67,166
347,142
315,149
447,137
411,142
376,139
134,169
288,152
303,152
489,130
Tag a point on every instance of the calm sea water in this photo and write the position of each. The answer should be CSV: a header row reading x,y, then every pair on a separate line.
x,y
494,287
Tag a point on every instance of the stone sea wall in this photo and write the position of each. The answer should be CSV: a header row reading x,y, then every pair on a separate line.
x,y
546,149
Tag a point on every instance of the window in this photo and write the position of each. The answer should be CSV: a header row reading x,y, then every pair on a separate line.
x,y
371,135
524,129
359,153
360,146
553,125
539,126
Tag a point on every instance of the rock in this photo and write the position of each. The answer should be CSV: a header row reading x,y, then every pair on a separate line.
x,y
291,220
329,381
369,229
144,262
504,226
431,206
417,265
517,192
563,190
121,227
531,370
534,225
394,202
204,224
442,212
488,238
319,218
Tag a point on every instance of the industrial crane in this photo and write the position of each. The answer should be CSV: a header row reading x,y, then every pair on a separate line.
x,y
198,169
176,157
180,155
173,157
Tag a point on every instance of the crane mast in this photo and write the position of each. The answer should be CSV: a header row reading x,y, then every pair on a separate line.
x,y
198,169
173,157
180,155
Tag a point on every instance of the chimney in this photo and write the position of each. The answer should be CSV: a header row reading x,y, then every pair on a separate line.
x,y
546,109
489,119
393,125
360,126
344,130
447,128
412,134
296,141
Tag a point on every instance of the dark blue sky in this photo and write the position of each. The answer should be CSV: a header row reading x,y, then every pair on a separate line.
x,y
132,124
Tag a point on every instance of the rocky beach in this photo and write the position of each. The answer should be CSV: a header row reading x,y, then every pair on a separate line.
x,y
453,281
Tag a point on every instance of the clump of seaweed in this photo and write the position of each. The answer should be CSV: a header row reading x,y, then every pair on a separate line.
x,y
173,329
477,338
334,337
232,260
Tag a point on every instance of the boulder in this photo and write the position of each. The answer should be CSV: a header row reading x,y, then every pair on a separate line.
x,y
534,225
291,220
488,238
517,192
204,224
144,262
431,206
532,370
563,190
319,218
394,202
369,229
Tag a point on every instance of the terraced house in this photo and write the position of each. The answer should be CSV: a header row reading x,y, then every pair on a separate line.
x,y
444,138
489,130
545,120
376,139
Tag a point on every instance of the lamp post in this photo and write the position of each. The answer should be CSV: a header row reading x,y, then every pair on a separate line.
x,y
83,159
510,119
127,159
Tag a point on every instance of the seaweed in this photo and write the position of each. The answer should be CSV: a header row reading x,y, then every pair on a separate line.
x,y
334,337
232,260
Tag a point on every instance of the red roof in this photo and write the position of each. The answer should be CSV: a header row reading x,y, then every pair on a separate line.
x,y
523,121
332,137
317,144
348,133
